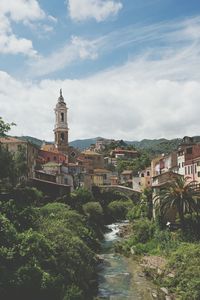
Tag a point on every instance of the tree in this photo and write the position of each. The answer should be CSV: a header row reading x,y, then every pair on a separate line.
x,y
4,127
180,195
7,164
21,163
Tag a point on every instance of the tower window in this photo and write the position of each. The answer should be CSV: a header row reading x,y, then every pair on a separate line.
x,y
62,117
62,136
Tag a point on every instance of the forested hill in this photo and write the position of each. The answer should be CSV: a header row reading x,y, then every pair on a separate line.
x,y
154,146
157,146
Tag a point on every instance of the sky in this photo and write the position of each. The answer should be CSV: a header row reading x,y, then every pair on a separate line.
x,y
128,69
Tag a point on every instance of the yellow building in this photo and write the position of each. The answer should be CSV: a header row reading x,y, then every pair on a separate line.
x,y
101,177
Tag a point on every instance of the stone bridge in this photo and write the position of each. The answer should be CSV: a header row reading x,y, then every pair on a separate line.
x,y
125,191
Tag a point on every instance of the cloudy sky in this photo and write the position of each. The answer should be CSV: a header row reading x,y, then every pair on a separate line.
x,y
129,69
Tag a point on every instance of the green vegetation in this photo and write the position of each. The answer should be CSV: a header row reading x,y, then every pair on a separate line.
x,y
44,250
136,164
5,127
13,168
117,210
185,262
179,195
180,247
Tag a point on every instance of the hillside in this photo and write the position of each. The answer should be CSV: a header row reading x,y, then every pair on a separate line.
x,y
155,146
83,144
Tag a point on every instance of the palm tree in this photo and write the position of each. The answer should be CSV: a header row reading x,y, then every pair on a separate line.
x,y
180,195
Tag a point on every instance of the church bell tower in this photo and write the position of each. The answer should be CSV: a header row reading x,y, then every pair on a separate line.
x,y
61,127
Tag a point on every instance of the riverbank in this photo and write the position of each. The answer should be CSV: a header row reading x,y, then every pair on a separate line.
x,y
121,277
145,269
167,258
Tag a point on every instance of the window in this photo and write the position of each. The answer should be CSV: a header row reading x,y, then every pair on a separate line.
x,y
188,170
142,175
54,158
198,174
179,165
198,163
189,150
185,170
191,169
62,136
182,164
148,173
148,182
195,168
62,117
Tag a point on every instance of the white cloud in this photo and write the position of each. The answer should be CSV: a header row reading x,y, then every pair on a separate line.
x,y
120,103
25,11
13,45
22,10
76,48
99,10
153,95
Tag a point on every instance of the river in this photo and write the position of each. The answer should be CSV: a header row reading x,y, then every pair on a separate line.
x,y
120,278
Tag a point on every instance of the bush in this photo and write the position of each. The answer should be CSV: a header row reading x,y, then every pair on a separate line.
x,y
93,210
143,230
134,213
119,209
192,225
185,262
94,214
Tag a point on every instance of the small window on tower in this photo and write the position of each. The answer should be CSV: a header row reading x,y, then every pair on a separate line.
x,y
62,117
62,136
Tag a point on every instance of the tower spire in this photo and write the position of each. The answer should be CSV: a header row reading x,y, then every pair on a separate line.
x,y
61,99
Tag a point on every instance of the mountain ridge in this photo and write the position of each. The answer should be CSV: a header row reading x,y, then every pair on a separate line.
x,y
161,145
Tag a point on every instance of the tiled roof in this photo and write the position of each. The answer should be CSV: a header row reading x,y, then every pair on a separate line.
x,y
103,171
8,140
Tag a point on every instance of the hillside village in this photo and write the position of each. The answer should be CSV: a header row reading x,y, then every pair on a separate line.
x,y
56,193
58,168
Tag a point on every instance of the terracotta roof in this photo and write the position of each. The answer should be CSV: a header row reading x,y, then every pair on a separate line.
x,y
53,152
103,171
8,140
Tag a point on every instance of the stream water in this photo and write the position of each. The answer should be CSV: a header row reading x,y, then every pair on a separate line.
x,y
120,278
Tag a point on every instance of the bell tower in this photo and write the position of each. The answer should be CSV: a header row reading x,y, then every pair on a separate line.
x,y
61,127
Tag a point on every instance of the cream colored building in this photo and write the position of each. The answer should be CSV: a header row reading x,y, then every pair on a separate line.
x,y
14,145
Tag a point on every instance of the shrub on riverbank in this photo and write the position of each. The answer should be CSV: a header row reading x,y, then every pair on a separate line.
x,y
45,252
183,258
185,263
117,210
